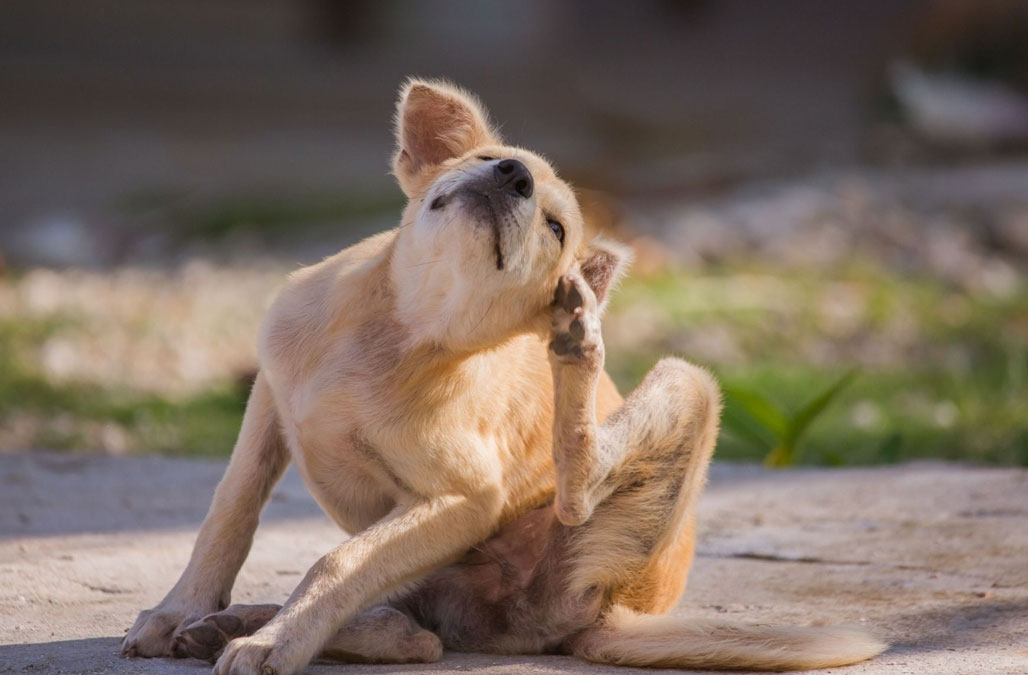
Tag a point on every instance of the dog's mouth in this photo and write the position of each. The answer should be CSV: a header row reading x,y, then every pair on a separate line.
x,y
497,251
484,210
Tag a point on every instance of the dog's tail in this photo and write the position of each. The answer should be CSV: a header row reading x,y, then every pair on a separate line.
x,y
629,639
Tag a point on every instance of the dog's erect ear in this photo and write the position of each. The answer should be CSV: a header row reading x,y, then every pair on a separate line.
x,y
435,121
603,264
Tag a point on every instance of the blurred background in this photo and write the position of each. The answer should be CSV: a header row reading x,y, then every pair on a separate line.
x,y
829,201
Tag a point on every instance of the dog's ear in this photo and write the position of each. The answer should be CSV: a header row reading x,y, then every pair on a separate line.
x,y
435,121
602,264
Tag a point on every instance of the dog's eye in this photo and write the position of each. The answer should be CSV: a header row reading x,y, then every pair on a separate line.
x,y
486,158
557,229
437,204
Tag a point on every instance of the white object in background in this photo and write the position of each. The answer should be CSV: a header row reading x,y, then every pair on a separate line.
x,y
956,108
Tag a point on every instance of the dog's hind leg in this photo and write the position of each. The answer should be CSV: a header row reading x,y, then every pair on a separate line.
x,y
378,635
383,635
258,461
630,484
633,484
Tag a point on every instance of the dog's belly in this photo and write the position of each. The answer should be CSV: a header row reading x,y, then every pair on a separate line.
x,y
509,594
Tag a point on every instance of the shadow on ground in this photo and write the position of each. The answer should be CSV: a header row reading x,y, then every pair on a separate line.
x,y
100,655
47,494
951,627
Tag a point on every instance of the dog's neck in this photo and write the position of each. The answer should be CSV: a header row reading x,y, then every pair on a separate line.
x,y
439,308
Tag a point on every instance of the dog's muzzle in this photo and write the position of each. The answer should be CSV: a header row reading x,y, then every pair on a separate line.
x,y
508,183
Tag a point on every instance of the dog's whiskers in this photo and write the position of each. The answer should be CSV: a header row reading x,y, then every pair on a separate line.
x,y
427,262
484,314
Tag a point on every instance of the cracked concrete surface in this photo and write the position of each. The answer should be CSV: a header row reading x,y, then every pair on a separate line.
x,y
932,557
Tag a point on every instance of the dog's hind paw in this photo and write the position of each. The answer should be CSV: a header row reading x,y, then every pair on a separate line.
x,y
575,327
206,639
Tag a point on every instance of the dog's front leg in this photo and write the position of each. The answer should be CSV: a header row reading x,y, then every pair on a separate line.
x,y
413,540
258,461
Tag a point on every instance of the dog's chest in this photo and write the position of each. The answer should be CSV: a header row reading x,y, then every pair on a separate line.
x,y
364,443
370,426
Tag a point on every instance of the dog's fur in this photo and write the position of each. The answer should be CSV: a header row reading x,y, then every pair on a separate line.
x,y
441,389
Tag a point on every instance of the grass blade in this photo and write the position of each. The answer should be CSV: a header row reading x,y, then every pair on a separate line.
x,y
803,418
760,409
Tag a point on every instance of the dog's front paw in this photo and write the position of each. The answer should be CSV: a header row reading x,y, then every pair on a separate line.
x,y
262,653
153,633
575,326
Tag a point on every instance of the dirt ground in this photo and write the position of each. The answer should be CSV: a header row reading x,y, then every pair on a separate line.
x,y
934,558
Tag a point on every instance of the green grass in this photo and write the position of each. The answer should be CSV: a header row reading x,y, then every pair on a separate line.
x,y
919,414
72,416
779,434
943,371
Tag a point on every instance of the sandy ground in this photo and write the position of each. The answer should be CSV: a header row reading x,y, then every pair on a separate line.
x,y
934,558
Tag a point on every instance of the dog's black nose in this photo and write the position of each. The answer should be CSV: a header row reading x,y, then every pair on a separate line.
x,y
514,177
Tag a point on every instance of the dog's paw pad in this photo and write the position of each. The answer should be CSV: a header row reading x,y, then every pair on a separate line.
x,y
206,639
201,640
569,294
576,324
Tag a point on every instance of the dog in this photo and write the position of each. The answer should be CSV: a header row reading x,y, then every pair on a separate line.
x,y
441,389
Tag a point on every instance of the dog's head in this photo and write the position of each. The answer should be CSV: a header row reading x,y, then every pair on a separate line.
x,y
489,228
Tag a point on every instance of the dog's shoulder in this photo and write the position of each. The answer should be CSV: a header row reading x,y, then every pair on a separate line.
x,y
319,302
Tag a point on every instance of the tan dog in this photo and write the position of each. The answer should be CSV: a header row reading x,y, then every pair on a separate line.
x,y
441,389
